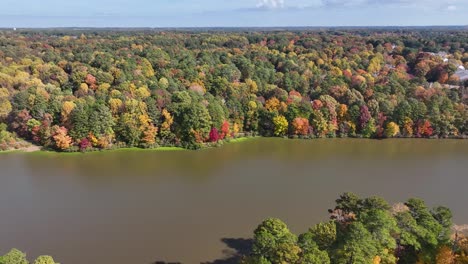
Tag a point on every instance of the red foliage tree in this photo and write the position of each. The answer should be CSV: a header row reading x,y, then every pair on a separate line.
x,y
381,128
294,97
424,129
91,81
35,133
365,116
347,73
41,133
317,104
19,123
84,144
214,135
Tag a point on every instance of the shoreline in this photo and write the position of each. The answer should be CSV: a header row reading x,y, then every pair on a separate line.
x,y
38,149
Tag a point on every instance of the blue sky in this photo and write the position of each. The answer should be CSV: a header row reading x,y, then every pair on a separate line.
x,y
232,13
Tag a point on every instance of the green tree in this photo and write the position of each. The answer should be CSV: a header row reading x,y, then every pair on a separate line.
x,y
274,242
128,129
310,251
100,120
382,226
44,260
80,125
14,257
356,245
192,119
324,234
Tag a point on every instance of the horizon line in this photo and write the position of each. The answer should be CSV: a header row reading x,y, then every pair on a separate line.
x,y
230,27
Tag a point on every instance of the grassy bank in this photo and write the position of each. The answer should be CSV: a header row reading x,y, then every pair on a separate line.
x,y
241,139
132,149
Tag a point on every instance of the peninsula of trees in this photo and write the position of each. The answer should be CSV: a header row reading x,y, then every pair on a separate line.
x,y
85,90
364,231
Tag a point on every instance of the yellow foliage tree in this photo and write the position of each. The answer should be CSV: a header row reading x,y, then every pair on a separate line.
x,y
392,130
273,104
342,112
5,105
236,128
253,87
115,105
104,141
84,87
408,127
168,120
143,92
93,139
319,123
377,260
103,88
163,83
281,125
67,108
375,64
147,68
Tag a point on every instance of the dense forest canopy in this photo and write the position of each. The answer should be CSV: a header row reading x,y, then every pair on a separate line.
x,y
74,90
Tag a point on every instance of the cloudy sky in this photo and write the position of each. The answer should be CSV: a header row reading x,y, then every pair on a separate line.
x,y
232,13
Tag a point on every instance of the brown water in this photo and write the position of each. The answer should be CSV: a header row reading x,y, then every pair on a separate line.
x,y
138,207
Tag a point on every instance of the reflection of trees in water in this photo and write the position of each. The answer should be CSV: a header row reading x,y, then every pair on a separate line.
x,y
237,247
203,164
121,164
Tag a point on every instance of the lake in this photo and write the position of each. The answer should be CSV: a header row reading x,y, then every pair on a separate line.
x,y
140,207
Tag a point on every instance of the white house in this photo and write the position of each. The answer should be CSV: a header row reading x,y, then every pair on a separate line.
x,y
462,74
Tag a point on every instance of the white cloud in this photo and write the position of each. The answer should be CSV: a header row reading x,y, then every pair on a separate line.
x,y
440,5
270,4
451,7
450,4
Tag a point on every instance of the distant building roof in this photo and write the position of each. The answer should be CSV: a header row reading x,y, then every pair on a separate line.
x,y
442,54
462,74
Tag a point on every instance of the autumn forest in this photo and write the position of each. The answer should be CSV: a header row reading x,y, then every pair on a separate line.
x,y
86,90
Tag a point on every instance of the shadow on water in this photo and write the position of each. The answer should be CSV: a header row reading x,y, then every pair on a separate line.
x,y
237,247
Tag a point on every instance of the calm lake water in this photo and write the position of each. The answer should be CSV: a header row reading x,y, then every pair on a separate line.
x,y
140,207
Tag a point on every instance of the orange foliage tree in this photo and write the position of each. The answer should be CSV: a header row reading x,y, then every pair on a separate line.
x,y
61,138
300,126
224,130
445,256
